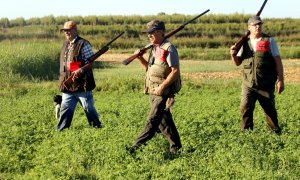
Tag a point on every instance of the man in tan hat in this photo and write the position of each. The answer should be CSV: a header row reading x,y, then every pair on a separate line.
x,y
75,53
162,74
262,69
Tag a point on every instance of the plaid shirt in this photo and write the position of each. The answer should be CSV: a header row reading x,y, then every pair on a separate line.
x,y
86,52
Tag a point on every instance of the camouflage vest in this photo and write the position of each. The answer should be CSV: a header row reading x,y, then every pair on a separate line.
x,y
86,81
259,68
158,70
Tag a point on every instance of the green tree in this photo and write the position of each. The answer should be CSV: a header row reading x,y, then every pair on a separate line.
x,y
20,21
48,20
61,19
90,20
33,21
4,23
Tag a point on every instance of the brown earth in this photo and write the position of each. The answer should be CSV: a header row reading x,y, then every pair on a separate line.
x,y
291,75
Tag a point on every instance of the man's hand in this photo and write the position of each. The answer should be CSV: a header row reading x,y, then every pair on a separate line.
x,y
76,74
233,51
140,53
158,91
280,87
234,57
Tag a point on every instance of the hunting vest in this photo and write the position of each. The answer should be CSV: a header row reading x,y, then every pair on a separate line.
x,y
259,68
158,70
70,55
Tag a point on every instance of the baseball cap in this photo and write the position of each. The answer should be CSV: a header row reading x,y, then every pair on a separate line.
x,y
254,20
69,25
154,25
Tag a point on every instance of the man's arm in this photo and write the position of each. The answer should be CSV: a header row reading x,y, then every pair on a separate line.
x,y
236,59
279,68
142,59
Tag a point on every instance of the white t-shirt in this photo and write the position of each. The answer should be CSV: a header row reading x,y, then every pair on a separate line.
x,y
273,47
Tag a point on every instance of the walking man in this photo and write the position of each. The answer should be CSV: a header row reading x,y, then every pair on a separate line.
x,y
262,69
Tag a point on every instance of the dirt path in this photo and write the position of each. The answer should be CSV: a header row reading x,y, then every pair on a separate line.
x,y
291,75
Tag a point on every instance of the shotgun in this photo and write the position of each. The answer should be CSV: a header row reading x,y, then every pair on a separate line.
x,y
70,83
142,50
241,41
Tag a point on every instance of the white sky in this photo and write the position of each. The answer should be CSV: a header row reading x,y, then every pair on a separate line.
x,y
12,9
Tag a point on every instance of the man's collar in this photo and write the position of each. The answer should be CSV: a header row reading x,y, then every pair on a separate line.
x,y
163,42
74,39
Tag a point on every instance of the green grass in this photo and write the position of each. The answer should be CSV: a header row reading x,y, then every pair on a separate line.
x,y
29,60
206,114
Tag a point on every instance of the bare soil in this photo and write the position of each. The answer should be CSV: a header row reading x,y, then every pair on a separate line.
x,y
291,74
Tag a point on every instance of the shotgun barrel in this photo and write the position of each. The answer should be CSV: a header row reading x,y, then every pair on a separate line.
x,y
144,49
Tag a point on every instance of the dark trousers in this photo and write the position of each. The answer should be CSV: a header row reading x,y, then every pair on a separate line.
x,y
267,101
159,119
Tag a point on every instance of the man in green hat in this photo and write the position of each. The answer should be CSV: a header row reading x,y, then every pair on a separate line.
x,y
161,83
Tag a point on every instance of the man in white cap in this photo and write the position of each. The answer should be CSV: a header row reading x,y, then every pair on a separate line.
x,y
75,53
262,68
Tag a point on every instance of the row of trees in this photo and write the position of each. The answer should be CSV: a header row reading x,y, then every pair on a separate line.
x,y
118,19
209,31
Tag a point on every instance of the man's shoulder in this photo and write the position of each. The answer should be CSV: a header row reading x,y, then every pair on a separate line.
x,y
266,36
166,44
83,41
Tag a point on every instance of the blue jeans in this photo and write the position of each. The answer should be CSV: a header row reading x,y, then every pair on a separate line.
x,y
68,105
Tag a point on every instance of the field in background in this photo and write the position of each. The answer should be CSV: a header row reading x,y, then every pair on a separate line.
x,y
207,38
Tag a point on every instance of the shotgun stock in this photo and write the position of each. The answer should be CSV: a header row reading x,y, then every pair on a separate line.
x,y
241,41
70,83
144,49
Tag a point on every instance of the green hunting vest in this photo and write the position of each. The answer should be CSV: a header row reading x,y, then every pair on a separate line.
x,y
157,72
86,81
259,68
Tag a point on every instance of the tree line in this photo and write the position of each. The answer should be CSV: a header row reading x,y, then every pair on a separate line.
x,y
209,31
119,19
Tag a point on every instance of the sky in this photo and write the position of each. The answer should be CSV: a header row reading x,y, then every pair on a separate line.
x,y
12,9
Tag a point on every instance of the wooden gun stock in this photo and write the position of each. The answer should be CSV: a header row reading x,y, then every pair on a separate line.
x,y
70,83
144,49
241,41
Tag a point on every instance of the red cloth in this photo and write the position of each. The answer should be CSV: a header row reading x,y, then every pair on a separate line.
x,y
74,66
